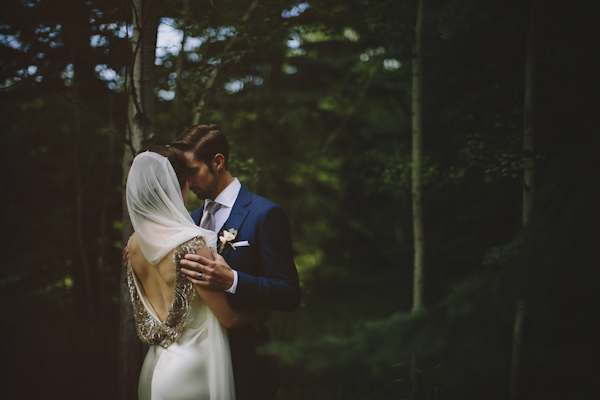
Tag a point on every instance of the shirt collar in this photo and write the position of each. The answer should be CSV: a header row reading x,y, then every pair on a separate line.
x,y
228,196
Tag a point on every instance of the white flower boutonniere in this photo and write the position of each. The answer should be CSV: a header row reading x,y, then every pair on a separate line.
x,y
228,237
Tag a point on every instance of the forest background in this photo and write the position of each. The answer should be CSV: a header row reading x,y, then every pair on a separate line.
x,y
315,99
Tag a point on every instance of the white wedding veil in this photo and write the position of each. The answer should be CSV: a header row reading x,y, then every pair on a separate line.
x,y
158,215
162,223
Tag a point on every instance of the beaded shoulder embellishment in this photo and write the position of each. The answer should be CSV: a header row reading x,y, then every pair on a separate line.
x,y
150,330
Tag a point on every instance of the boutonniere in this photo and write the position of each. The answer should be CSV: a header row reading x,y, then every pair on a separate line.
x,y
228,237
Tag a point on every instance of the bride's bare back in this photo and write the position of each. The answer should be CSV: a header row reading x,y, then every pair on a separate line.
x,y
157,280
158,284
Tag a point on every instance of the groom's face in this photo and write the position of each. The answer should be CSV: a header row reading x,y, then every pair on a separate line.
x,y
203,180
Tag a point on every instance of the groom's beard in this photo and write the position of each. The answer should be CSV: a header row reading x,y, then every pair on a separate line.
x,y
209,191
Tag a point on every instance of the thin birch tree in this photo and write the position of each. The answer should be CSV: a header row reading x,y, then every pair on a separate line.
x,y
140,133
416,189
528,188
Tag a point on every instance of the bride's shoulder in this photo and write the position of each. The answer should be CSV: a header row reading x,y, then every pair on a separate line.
x,y
195,245
195,242
133,244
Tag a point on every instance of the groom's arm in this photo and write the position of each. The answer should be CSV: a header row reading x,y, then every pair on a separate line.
x,y
278,289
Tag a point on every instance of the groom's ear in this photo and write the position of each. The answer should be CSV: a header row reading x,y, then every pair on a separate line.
x,y
218,162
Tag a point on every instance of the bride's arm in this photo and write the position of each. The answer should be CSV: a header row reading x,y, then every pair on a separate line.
x,y
229,317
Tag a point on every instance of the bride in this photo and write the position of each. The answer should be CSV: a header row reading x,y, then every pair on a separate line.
x,y
185,325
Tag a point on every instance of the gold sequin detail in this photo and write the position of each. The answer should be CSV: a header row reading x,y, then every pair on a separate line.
x,y
149,329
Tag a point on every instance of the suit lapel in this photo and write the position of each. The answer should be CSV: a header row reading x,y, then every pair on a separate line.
x,y
238,215
197,215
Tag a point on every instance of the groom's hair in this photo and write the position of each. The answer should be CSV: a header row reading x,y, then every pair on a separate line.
x,y
175,157
204,141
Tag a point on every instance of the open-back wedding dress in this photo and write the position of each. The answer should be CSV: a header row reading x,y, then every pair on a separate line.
x,y
189,356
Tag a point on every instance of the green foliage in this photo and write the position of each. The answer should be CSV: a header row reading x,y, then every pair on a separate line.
x,y
248,172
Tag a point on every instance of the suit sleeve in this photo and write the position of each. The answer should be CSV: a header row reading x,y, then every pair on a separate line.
x,y
278,289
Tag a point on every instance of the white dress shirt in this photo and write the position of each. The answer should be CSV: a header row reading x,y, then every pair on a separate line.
x,y
226,198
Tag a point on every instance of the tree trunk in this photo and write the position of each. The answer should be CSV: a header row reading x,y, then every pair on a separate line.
x,y
529,118
417,193
528,189
141,100
140,133
417,165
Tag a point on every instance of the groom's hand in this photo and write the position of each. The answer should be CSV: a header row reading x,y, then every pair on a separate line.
x,y
216,274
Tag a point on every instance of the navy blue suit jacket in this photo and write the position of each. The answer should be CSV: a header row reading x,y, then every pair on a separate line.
x,y
267,278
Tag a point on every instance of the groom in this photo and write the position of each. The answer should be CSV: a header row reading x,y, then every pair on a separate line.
x,y
256,265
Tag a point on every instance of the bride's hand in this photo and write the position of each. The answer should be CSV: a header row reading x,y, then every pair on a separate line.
x,y
207,273
125,255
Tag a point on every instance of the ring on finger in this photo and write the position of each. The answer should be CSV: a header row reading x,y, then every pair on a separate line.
x,y
199,275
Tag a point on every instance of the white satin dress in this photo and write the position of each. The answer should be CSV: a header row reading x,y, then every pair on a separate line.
x,y
189,356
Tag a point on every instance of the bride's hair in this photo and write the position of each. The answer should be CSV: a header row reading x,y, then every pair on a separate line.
x,y
175,157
